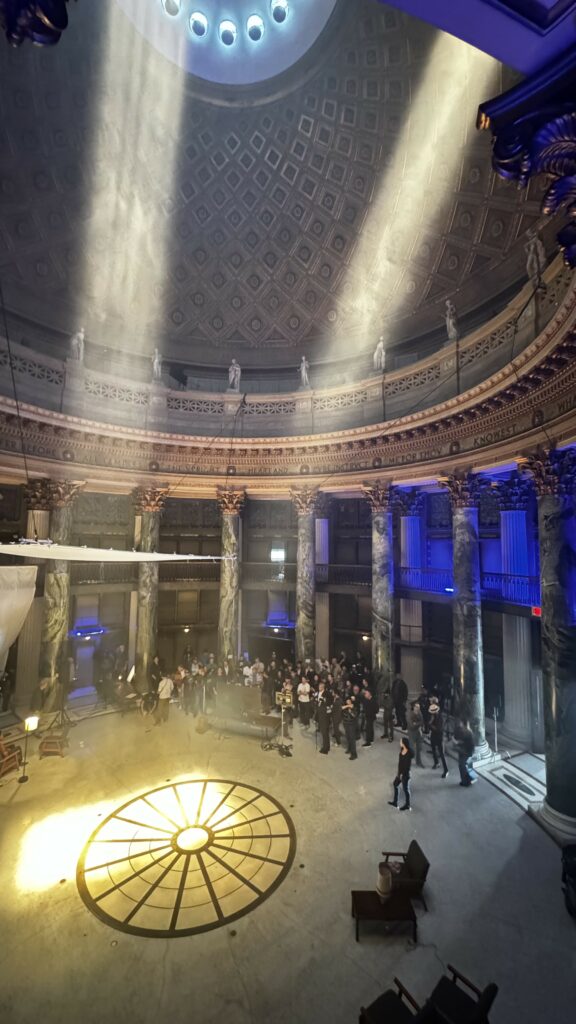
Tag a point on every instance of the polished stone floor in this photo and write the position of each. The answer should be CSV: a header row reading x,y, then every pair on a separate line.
x,y
495,904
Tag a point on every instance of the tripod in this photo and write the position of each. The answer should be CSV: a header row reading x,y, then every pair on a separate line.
x,y
60,718
282,746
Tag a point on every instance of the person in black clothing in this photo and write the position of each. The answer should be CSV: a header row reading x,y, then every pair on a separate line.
x,y
437,737
465,744
350,716
370,711
387,716
156,673
323,712
336,717
399,692
403,775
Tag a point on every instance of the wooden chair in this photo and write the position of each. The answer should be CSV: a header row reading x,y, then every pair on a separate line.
x,y
10,757
367,906
53,744
413,871
456,1006
392,1007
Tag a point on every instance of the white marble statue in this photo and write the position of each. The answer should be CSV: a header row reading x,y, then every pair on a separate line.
x,y
77,345
535,257
234,374
380,356
451,321
156,365
303,371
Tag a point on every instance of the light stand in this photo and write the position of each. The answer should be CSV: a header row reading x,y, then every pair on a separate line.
x,y
30,725
506,753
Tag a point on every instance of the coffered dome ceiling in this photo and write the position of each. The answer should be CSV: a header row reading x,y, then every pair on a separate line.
x,y
158,208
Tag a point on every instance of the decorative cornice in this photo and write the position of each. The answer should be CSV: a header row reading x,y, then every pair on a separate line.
x,y
305,499
553,472
149,499
230,502
379,495
46,495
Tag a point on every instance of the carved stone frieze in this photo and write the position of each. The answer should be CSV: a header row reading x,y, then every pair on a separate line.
x,y
149,499
231,502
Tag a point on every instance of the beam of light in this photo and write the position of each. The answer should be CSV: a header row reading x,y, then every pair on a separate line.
x,y
50,848
416,190
134,151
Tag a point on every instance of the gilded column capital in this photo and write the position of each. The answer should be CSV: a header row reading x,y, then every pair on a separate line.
x,y
38,495
379,495
514,494
553,472
149,499
408,502
463,489
305,499
323,506
46,495
230,502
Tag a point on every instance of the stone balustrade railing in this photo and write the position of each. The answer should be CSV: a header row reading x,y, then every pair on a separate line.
x,y
70,388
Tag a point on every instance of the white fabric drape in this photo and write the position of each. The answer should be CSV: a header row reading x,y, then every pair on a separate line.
x,y
17,588
68,553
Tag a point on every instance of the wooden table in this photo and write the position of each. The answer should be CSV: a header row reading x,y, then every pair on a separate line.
x,y
367,906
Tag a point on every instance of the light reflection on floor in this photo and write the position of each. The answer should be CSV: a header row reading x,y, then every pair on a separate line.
x,y
185,858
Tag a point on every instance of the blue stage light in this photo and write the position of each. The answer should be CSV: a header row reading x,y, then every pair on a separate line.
x,y
198,23
255,27
228,32
279,9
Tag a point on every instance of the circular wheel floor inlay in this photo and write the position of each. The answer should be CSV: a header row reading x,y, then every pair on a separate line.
x,y
186,857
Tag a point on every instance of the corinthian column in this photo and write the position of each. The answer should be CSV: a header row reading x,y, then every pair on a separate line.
x,y
305,502
554,476
466,606
231,504
148,505
55,625
379,497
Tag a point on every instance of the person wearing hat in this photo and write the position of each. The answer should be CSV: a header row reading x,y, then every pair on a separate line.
x,y
403,775
437,737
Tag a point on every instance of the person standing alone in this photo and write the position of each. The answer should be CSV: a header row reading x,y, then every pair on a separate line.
x,y
403,775
165,690
350,715
415,722
437,737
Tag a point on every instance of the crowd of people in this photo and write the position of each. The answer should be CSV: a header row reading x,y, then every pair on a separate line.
x,y
338,697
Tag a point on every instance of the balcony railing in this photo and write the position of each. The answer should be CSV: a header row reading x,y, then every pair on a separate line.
x,y
524,590
189,572
516,589
434,581
345,575
278,573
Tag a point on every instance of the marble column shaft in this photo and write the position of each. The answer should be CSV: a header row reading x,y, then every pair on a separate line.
x,y
467,622
56,621
557,534
228,617
147,622
382,596
305,586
